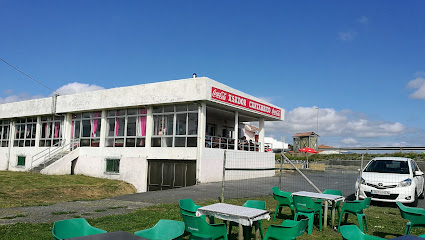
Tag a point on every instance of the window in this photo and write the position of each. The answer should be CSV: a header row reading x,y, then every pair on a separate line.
x,y
112,165
25,132
126,127
4,133
175,126
21,161
86,128
51,131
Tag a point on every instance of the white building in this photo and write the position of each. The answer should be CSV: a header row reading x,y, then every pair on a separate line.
x,y
155,136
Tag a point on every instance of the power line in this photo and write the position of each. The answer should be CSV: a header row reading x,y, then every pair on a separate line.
x,y
28,76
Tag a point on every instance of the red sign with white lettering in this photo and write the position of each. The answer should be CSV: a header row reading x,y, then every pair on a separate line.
x,y
237,100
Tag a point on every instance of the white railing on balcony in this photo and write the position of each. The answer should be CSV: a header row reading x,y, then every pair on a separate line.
x,y
229,143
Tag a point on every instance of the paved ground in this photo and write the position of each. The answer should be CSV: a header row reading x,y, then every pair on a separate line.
x,y
343,180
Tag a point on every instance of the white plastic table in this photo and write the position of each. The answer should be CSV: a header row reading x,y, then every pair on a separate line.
x,y
330,197
242,215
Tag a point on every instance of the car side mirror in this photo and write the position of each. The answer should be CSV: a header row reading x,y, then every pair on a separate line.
x,y
419,173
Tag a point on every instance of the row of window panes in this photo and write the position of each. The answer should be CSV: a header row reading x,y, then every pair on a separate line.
x,y
126,127
175,126
25,132
86,127
4,133
51,131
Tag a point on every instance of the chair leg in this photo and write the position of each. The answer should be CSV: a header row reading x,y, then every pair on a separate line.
x,y
275,212
360,220
408,227
261,229
310,225
339,221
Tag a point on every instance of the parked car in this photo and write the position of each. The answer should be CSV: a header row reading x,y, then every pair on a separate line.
x,y
392,179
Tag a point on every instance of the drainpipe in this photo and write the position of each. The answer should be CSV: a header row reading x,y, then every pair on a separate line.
x,y
12,130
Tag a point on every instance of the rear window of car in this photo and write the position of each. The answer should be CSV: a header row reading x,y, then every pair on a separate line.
x,y
388,166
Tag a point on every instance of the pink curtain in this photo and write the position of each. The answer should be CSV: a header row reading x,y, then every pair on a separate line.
x,y
46,131
95,123
56,129
72,130
143,122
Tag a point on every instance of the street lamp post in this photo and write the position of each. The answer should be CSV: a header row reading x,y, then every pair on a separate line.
x,y
317,127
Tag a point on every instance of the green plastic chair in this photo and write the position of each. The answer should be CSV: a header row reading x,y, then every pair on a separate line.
x,y
352,232
289,231
308,207
163,230
199,228
188,207
76,227
247,230
416,216
355,207
338,204
284,200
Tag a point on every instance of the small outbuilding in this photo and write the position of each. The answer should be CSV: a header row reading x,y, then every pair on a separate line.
x,y
305,140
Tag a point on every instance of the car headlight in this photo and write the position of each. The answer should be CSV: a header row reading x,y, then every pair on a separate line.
x,y
405,183
362,181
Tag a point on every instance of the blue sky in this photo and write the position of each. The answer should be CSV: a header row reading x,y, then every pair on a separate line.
x,y
362,63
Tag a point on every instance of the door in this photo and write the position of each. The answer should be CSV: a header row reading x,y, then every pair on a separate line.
x,y
168,174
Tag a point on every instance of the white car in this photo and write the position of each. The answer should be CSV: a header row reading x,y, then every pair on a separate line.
x,y
392,179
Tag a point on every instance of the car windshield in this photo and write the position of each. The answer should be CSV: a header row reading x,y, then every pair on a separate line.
x,y
388,166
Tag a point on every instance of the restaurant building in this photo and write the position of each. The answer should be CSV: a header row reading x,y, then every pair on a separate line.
x,y
155,136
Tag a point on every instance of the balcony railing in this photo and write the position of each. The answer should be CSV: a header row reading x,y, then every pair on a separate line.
x,y
229,143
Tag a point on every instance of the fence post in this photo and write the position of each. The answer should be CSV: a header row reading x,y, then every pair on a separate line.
x,y
222,181
360,178
280,172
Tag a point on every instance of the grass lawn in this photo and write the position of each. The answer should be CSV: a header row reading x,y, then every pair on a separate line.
x,y
18,189
24,189
384,222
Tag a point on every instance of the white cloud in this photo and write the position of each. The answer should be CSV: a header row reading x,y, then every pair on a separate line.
x,y
17,97
76,87
334,124
349,141
70,88
346,36
419,85
363,20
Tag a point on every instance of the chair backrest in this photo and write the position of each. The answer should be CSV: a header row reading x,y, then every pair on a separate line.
x,y
284,232
255,204
333,192
163,230
304,204
411,213
73,228
196,225
282,197
357,206
352,232
188,207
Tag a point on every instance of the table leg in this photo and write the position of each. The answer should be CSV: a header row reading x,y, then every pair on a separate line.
x,y
333,213
325,217
240,233
257,231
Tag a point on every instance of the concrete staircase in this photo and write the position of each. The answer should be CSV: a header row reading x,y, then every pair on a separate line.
x,y
49,160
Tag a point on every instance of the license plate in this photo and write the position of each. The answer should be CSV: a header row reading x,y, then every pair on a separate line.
x,y
379,192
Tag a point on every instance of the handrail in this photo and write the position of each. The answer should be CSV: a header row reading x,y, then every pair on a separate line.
x,y
229,143
50,153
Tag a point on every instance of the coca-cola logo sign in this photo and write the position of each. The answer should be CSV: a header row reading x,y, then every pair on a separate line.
x,y
234,99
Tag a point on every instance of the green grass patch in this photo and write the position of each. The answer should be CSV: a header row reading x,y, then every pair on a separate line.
x,y
383,221
14,216
19,189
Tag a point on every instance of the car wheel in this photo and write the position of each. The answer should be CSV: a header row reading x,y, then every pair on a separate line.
x,y
415,201
422,196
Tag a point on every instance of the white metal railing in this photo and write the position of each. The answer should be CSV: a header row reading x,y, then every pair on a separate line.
x,y
229,143
52,151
